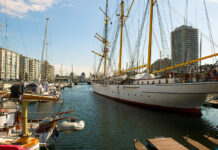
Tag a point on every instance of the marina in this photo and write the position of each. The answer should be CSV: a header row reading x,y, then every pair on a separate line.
x,y
109,74
107,118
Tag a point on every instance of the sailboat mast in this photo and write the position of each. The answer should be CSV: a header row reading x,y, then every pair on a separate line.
x,y
121,37
105,42
43,48
150,35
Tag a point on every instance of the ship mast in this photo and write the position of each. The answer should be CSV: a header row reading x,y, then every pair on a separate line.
x,y
150,35
43,48
105,42
121,37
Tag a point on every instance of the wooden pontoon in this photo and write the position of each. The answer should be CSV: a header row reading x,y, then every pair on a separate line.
x,y
213,140
139,145
196,144
166,144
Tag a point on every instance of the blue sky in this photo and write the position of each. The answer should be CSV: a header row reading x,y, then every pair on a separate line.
x,y
73,24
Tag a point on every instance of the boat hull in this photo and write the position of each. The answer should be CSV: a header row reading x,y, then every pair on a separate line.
x,y
184,97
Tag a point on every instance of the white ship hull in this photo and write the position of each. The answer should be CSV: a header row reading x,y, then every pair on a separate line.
x,y
186,97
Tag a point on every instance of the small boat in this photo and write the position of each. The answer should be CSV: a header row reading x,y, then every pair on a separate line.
x,y
71,125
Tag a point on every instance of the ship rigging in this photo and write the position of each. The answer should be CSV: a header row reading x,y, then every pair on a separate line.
x,y
148,88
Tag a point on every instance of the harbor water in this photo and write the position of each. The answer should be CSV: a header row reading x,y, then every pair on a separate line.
x,y
114,125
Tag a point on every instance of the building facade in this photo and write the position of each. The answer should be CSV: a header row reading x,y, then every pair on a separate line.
x,y
24,68
37,70
47,73
9,64
14,66
34,69
184,46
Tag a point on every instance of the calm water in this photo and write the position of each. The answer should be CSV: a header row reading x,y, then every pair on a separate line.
x,y
114,125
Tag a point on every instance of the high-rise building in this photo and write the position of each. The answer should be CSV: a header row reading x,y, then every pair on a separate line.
x,y
34,69
47,73
9,64
37,68
184,46
31,69
24,68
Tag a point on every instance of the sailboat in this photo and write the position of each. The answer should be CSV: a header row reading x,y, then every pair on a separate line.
x,y
48,89
146,89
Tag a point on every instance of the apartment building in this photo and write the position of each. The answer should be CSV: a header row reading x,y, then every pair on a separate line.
x,y
9,64
24,68
184,46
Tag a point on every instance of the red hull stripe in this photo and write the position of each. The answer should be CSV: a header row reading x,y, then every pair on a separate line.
x,y
196,111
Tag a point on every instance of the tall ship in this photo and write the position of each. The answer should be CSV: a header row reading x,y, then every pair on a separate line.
x,y
170,88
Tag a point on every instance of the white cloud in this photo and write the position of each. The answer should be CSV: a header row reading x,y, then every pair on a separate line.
x,y
18,8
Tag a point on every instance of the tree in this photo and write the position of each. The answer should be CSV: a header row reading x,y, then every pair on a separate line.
x,y
26,76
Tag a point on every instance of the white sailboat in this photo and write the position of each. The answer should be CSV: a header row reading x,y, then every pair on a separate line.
x,y
147,90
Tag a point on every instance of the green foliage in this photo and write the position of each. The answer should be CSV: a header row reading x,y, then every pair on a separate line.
x,y
26,76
